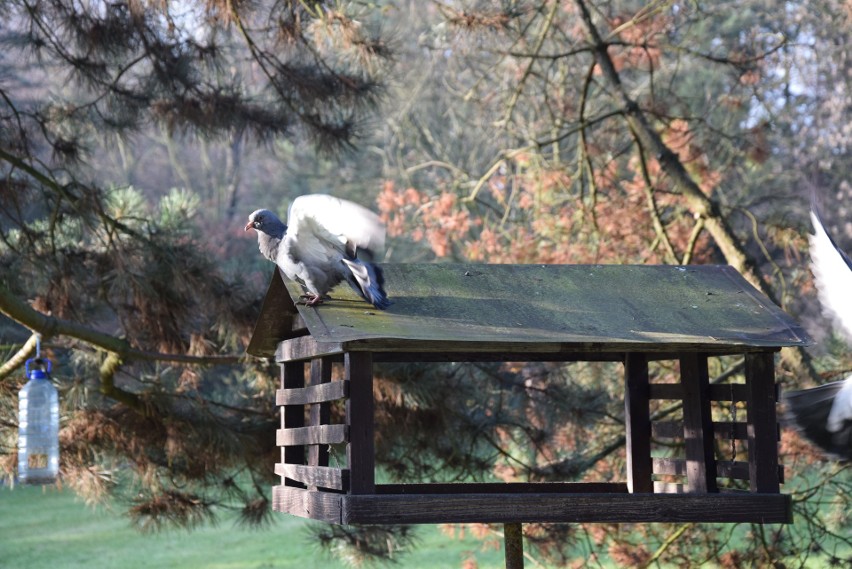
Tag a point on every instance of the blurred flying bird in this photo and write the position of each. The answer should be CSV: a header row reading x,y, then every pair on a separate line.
x,y
320,246
824,414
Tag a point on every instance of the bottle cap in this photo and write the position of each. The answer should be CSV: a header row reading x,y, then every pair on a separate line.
x,y
40,368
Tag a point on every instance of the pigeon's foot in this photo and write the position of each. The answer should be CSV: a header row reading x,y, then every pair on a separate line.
x,y
311,299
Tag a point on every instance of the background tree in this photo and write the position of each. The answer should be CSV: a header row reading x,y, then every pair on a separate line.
x,y
135,296
626,132
537,131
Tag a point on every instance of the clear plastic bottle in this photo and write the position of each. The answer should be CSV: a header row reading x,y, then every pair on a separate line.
x,y
38,426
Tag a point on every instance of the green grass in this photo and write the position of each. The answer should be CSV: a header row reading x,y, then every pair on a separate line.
x,y
45,528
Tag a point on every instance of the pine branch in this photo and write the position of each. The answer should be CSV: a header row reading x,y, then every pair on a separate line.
x,y
49,327
21,356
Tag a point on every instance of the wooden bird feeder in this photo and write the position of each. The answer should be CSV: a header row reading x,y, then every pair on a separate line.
x,y
553,313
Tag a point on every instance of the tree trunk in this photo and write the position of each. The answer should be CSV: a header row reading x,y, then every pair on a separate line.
x,y
795,359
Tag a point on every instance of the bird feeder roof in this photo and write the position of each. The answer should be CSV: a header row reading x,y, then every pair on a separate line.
x,y
603,308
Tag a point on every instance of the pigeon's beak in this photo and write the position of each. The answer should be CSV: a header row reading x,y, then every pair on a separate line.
x,y
249,225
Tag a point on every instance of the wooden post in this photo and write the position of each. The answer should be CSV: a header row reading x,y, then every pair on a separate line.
x,y
697,424
513,544
762,423
360,452
320,413
292,416
637,423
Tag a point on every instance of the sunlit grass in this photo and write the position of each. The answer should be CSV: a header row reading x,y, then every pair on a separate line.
x,y
52,529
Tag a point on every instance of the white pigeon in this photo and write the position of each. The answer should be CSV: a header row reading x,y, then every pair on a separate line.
x,y
320,244
824,414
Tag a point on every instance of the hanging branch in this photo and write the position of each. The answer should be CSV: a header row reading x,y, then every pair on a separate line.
x,y
21,356
50,326
659,228
516,95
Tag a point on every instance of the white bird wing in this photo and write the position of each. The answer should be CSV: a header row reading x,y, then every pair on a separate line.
x,y
336,221
832,270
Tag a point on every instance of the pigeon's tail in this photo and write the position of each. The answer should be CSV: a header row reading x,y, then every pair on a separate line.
x,y
810,410
368,281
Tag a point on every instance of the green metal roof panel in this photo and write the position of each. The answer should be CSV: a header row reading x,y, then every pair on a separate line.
x,y
602,306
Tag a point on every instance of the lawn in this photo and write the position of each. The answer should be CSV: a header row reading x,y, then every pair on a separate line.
x,y
45,528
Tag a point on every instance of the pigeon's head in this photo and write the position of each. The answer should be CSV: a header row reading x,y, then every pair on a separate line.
x,y
264,221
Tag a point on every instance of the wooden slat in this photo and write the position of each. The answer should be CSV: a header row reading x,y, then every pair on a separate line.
x,y
725,469
728,430
292,416
721,429
504,488
360,452
637,423
670,466
762,423
565,508
667,429
318,476
738,470
728,392
668,488
718,391
564,353
673,391
322,506
537,350
313,394
321,435
697,424
320,413
305,348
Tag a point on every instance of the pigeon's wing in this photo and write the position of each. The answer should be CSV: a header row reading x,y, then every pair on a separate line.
x,y
832,270
336,221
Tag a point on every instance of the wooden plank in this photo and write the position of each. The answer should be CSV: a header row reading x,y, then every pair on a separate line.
x,y
697,424
305,348
718,391
360,452
722,430
672,391
637,421
547,351
728,392
320,435
738,470
320,413
762,423
565,508
317,476
292,416
668,488
509,354
313,394
322,506
669,466
667,429
504,488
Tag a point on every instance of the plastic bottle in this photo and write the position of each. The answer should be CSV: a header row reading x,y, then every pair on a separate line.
x,y
38,426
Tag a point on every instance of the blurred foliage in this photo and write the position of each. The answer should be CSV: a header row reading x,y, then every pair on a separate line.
x,y
136,137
